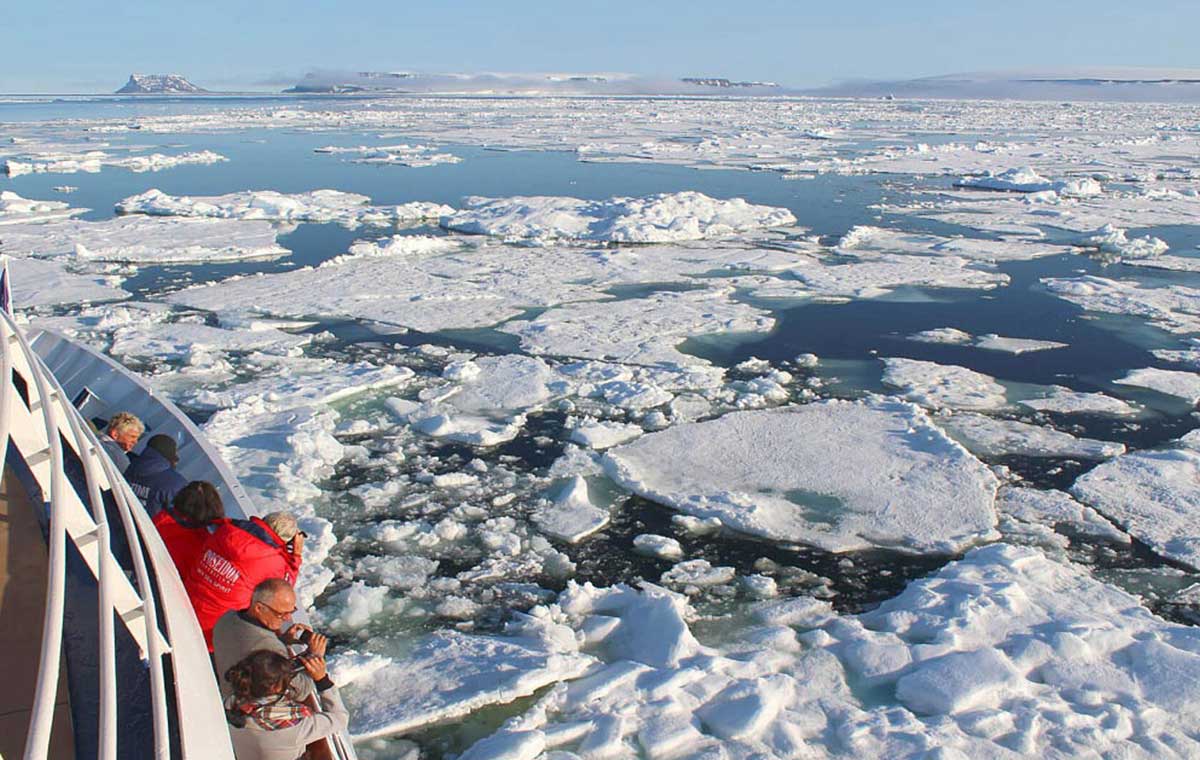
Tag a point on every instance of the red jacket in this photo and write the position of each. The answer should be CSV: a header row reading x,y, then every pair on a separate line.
x,y
184,540
235,559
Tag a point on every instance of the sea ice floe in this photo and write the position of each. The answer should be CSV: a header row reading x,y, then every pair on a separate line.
x,y
991,437
1152,494
1113,241
189,341
879,276
989,342
1173,307
993,342
37,282
638,331
92,161
1055,508
570,515
1184,385
448,675
941,386
865,242
839,475
1003,653
399,155
16,210
598,434
283,382
485,401
314,206
143,240
1066,401
663,547
1026,180
650,219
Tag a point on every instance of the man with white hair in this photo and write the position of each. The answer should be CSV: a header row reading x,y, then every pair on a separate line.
x,y
265,624
123,432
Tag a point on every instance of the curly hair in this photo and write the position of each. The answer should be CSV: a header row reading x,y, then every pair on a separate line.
x,y
126,421
260,674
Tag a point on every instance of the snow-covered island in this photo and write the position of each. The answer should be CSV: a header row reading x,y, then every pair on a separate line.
x,y
159,84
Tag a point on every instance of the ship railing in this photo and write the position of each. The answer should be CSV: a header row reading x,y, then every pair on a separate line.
x,y
43,427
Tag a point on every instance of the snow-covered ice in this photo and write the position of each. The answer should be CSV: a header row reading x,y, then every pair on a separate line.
x,y
1066,401
941,386
785,474
1152,494
638,331
314,206
36,282
1026,180
17,210
991,437
1184,385
145,240
651,219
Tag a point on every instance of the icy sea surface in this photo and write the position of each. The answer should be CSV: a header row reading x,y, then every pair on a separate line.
x,y
676,427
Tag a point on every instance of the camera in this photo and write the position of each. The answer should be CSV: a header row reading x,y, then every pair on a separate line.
x,y
297,665
304,637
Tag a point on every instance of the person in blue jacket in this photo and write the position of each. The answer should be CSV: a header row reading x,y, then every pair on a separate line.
x,y
152,474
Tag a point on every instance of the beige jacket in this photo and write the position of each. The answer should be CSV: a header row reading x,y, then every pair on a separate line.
x,y
255,743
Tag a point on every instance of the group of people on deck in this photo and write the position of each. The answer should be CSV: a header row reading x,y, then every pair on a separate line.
x,y
240,576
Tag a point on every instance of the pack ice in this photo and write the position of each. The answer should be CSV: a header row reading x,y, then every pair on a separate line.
x,y
1005,653
314,206
650,219
840,475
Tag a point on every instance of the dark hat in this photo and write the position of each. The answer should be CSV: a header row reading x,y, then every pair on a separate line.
x,y
165,445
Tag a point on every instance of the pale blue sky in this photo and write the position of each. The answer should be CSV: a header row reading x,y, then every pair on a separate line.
x,y
79,46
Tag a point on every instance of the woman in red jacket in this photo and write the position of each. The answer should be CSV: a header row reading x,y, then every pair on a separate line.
x,y
236,558
184,528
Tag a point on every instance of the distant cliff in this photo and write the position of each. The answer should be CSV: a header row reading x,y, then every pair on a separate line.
x,y
159,84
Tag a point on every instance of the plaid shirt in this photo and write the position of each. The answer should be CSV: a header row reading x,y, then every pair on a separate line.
x,y
269,713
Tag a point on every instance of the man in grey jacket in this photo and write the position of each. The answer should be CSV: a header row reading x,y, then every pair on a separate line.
x,y
265,625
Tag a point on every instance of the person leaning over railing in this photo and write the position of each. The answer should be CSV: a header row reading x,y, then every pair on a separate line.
x,y
266,721
265,625
196,511
236,558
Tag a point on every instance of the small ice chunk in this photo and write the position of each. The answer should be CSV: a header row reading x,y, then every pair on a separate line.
x,y
993,342
571,516
949,335
653,545
598,435
698,573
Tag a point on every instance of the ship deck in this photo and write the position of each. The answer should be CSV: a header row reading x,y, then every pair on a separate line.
x,y
23,559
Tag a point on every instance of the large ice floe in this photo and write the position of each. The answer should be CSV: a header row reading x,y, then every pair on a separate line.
x,y
1154,494
651,219
1005,653
145,240
314,206
397,155
37,282
638,331
92,161
840,475
1171,307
